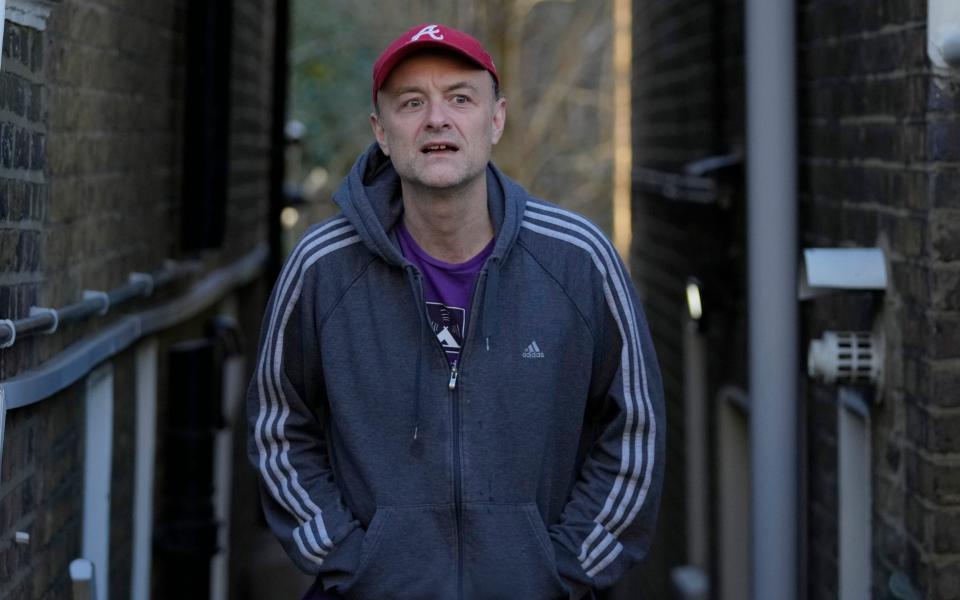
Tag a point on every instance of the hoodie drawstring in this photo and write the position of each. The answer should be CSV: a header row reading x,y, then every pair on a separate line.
x,y
421,325
491,295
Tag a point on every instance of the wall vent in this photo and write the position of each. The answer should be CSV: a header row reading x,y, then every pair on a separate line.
x,y
845,357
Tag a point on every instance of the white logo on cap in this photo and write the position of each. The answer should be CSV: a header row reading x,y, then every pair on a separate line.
x,y
432,30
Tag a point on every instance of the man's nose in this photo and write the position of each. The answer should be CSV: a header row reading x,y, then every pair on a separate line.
x,y
437,117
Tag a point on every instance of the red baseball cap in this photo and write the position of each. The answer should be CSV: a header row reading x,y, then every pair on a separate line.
x,y
430,35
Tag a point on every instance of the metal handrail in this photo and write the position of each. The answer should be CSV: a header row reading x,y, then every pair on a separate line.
x,y
45,321
78,359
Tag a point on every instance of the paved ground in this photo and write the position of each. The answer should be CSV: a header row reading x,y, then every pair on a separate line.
x,y
271,574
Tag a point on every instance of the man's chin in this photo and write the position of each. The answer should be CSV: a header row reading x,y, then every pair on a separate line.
x,y
442,182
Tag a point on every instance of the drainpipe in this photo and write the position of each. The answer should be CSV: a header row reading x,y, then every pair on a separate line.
x,y
772,316
281,79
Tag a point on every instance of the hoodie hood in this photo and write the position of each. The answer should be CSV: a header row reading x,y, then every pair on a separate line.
x,y
370,199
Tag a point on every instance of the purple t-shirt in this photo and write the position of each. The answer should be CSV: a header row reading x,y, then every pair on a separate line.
x,y
447,290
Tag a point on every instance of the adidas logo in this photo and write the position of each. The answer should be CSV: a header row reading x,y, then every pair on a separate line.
x,y
533,351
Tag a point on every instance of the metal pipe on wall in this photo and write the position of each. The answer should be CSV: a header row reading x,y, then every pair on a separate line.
x,y
695,393
772,305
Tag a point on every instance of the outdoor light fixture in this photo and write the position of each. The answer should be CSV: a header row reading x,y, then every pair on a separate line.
x,y
289,217
694,305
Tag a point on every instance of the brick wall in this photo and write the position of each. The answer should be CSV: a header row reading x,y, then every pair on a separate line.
x,y
42,473
42,479
23,188
876,126
250,111
91,134
879,166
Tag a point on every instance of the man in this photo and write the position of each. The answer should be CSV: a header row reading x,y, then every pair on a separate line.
x,y
456,394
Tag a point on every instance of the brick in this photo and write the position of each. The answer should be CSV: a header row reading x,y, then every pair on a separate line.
x,y
900,97
945,581
907,234
882,53
14,44
8,248
889,422
36,53
937,383
910,281
945,234
38,152
824,218
945,188
90,24
889,542
943,141
937,481
19,200
915,328
36,104
19,447
916,519
945,529
21,148
888,498
13,93
943,96
4,199
61,508
937,433
945,288
6,145
28,251
945,331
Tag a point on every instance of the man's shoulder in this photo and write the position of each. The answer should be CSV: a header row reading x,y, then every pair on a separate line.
x,y
554,229
330,233
330,224
325,239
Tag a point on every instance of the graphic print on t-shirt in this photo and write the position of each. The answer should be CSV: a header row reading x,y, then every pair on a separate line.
x,y
447,322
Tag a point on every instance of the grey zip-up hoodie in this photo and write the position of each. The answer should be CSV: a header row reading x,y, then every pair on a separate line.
x,y
532,471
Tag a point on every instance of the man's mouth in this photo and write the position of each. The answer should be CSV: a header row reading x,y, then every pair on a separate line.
x,y
434,148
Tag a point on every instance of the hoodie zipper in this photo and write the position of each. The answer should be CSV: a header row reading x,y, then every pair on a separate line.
x,y
455,426
455,371
452,385
457,474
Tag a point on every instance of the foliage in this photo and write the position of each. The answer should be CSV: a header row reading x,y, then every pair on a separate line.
x,y
554,58
330,58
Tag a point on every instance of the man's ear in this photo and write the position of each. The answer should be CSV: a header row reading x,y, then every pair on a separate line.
x,y
499,118
379,133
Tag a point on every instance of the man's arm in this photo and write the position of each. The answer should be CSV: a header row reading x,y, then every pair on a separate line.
x,y
286,441
608,522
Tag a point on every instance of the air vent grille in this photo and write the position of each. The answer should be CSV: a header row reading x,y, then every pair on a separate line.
x,y
845,357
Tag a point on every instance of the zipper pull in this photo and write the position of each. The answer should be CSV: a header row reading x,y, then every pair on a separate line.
x,y
453,378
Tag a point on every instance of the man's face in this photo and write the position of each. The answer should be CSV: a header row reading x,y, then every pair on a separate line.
x,y
438,121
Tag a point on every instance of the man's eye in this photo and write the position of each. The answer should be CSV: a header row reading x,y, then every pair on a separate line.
x,y
460,99
412,103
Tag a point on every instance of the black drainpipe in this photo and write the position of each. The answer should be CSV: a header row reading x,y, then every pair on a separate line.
x,y
277,136
207,124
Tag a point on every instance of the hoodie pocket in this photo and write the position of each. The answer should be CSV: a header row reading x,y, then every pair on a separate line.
x,y
408,552
507,553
